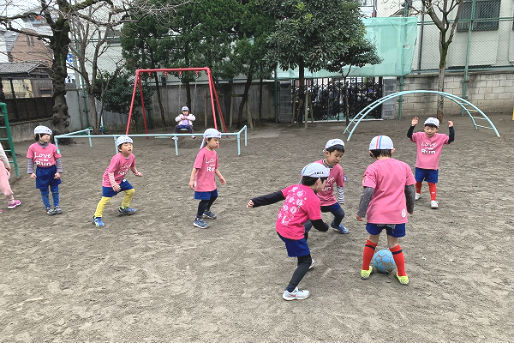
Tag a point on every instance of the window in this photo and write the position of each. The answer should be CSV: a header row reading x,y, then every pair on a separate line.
x,y
486,15
112,36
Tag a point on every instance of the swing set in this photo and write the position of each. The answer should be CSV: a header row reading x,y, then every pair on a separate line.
x,y
212,92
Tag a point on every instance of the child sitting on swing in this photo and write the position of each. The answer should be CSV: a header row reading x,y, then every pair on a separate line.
x,y
185,121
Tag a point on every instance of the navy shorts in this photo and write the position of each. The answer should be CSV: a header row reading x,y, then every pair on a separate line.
x,y
45,177
109,192
206,195
296,247
431,175
395,230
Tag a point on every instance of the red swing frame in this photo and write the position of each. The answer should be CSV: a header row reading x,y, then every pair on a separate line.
x,y
212,92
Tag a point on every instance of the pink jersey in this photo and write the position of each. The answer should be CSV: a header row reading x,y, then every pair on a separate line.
x,y
326,196
301,204
388,177
206,163
43,156
429,149
120,166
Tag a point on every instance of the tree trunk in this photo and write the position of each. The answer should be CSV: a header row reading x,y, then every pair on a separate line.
x,y
59,44
248,83
260,99
188,97
93,114
158,90
301,92
443,50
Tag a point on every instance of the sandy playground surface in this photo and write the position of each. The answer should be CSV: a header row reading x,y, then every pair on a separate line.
x,y
153,277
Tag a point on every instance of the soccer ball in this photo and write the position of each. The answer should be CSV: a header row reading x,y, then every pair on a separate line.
x,y
383,261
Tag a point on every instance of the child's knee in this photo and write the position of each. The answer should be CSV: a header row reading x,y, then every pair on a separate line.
x,y
130,191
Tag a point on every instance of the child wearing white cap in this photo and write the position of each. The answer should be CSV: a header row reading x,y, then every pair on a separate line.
x,y
5,187
114,180
301,204
184,121
334,150
203,177
48,170
429,145
387,197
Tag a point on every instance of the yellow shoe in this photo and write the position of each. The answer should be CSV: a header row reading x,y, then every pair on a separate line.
x,y
404,280
366,273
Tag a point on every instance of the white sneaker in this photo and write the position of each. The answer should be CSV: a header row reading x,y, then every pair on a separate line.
x,y
418,196
297,294
434,204
312,265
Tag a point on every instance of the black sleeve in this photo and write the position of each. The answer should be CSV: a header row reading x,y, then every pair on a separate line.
x,y
411,131
410,193
367,193
268,199
452,134
319,225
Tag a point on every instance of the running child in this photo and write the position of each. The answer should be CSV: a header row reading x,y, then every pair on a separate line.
x,y
5,187
48,170
203,180
185,121
387,197
114,180
334,151
301,204
429,147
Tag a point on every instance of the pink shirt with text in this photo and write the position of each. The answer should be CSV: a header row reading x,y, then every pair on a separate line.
x,y
388,177
300,204
429,149
206,163
43,156
120,166
336,177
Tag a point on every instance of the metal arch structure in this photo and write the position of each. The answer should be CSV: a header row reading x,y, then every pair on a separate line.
x,y
458,100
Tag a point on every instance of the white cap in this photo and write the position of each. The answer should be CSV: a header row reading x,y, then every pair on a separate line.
x,y
42,130
333,142
381,142
123,139
185,108
316,170
432,121
210,133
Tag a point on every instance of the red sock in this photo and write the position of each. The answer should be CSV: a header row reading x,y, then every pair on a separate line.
x,y
418,187
433,190
399,259
369,251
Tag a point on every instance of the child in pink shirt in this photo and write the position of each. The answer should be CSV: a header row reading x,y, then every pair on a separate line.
x,y
48,171
5,187
300,205
387,197
429,147
203,180
114,180
334,150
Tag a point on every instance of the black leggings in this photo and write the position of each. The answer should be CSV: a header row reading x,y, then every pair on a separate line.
x,y
204,205
304,262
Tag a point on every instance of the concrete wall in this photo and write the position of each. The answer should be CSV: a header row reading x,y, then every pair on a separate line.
x,y
491,92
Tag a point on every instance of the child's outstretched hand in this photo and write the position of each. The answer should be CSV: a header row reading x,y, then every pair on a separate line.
x,y
250,204
138,174
450,123
359,218
222,180
414,121
57,176
33,176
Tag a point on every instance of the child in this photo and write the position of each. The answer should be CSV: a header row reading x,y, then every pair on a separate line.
x,y
387,196
429,146
301,204
334,150
48,168
114,180
203,180
185,121
5,188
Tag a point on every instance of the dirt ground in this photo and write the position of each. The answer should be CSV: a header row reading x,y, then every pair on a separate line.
x,y
153,277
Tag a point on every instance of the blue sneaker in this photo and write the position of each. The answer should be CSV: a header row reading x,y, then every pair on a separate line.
x,y
98,221
127,211
200,223
209,215
340,228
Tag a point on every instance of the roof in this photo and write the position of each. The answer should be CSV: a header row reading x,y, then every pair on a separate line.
x,y
20,68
